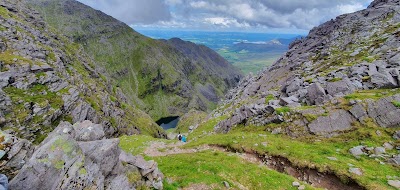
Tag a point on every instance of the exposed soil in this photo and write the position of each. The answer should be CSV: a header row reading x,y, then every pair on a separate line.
x,y
311,176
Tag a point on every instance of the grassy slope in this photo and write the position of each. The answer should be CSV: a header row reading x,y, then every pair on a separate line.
x,y
150,72
209,168
309,152
75,56
250,62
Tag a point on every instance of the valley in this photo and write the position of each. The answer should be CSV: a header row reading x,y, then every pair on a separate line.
x,y
86,102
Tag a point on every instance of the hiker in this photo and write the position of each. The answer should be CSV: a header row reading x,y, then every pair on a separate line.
x,y
179,137
183,139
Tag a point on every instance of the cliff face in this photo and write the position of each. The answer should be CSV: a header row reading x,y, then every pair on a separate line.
x,y
338,65
45,78
156,76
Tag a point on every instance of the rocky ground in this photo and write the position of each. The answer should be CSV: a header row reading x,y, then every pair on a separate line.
x,y
79,157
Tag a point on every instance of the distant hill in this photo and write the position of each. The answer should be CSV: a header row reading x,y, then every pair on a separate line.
x,y
156,76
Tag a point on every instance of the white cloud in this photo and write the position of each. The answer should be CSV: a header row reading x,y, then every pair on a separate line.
x,y
133,11
227,14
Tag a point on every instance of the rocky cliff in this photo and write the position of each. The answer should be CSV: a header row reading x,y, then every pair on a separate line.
x,y
156,76
45,79
78,157
344,71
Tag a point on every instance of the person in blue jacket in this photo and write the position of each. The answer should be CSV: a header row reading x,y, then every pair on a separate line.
x,y
183,138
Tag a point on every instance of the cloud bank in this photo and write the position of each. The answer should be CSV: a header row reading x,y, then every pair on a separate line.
x,y
297,15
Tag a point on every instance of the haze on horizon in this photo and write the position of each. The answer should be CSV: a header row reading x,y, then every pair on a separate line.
x,y
269,16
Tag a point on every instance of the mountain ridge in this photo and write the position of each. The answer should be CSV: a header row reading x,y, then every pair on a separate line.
x,y
157,77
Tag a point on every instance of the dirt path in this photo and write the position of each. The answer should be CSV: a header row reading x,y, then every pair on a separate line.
x,y
163,149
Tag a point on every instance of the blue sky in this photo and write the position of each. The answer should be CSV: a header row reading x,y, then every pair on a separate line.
x,y
269,16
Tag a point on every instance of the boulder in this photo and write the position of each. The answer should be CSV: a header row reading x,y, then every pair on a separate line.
x,y
388,146
41,68
338,120
395,160
359,112
87,131
356,171
396,135
315,94
394,183
357,151
384,80
341,88
379,150
3,47
384,112
62,161
284,101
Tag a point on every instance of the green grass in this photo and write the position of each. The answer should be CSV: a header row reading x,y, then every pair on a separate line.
x,y
192,118
269,98
212,168
8,58
137,144
282,110
372,94
313,152
396,103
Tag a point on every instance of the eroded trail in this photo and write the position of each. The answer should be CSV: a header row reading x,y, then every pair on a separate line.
x,y
280,164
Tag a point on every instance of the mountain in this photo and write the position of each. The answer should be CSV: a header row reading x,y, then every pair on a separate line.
x,y
277,45
156,76
330,103
45,78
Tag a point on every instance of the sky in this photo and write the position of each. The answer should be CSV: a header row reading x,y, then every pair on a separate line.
x,y
269,16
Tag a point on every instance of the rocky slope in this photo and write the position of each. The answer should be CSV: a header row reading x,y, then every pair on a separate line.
x,y
44,80
338,84
350,65
78,157
156,76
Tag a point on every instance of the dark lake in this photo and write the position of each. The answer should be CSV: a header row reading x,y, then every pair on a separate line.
x,y
168,122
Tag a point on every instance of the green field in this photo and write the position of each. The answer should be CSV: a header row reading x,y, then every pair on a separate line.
x,y
250,62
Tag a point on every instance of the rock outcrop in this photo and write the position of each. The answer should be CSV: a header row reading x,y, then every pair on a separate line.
x,y
344,72
45,78
79,157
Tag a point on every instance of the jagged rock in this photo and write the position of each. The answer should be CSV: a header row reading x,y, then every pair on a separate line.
x,y
339,120
388,146
284,101
3,47
342,87
394,183
98,150
315,94
357,151
293,87
83,112
120,182
87,131
384,112
379,150
396,135
295,184
41,68
63,162
395,160
359,112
